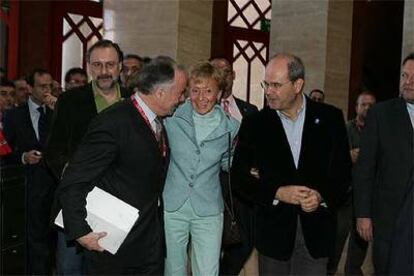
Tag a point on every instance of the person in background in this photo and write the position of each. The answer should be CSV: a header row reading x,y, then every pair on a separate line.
x,y
200,134
26,128
22,91
130,69
241,256
75,77
357,248
74,111
7,95
383,177
317,95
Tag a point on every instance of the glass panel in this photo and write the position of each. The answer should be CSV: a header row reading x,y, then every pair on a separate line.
x,y
85,29
263,53
231,11
269,14
75,17
235,50
72,54
256,76
249,52
66,27
96,21
242,43
257,25
263,5
239,85
251,14
241,3
258,45
239,22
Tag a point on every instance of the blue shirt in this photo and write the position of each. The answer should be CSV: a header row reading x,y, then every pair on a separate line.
x,y
294,129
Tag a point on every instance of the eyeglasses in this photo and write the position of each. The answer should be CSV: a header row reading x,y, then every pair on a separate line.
x,y
273,85
108,65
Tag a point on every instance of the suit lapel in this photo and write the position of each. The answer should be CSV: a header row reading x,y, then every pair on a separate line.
x,y
278,137
309,133
401,119
27,121
141,126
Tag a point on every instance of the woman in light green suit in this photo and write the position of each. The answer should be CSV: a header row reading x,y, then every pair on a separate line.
x,y
198,135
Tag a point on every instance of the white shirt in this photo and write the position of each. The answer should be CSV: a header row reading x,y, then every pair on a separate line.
x,y
410,108
34,115
147,111
233,108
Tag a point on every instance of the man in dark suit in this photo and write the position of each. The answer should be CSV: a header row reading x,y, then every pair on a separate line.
x,y
26,128
384,170
129,163
73,113
236,257
301,153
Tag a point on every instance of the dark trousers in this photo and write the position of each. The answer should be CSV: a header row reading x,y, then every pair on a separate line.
x,y
380,256
357,250
357,247
301,262
39,236
102,266
235,256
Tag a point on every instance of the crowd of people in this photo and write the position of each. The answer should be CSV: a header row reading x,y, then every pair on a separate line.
x,y
176,144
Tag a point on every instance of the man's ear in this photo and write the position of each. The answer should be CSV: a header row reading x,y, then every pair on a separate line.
x,y
298,84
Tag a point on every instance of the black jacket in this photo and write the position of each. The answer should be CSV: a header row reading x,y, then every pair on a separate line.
x,y
73,112
324,165
119,154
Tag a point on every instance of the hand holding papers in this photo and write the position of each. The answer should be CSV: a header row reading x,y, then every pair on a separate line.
x,y
109,214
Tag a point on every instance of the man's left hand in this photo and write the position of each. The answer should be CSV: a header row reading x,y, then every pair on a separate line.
x,y
311,202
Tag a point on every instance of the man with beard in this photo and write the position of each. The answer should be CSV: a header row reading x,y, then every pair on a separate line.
x,y
73,113
383,176
130,70
129,150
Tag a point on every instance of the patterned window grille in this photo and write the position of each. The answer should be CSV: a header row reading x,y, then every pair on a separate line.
x,y
79,33
248,24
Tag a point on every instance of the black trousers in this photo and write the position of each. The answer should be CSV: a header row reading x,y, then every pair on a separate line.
x,y
99,264
39,236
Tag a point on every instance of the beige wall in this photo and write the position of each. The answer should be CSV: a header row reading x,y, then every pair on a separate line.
x,y
319,32
177,28
408,32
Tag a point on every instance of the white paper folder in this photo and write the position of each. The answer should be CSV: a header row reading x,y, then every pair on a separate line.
x,y
106,213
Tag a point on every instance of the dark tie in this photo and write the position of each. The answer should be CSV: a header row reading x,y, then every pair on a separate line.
x,y
41,127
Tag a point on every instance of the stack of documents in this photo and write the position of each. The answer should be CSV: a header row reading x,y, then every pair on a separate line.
x,y
106,213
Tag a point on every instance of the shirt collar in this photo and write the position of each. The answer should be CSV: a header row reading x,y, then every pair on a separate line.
x,y
148,112
32,105
300,111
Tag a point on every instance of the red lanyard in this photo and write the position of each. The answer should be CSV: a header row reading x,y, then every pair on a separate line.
x,y
162,145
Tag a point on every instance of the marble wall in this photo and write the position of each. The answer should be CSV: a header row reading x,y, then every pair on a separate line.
x,y
408,32
177,28
319,32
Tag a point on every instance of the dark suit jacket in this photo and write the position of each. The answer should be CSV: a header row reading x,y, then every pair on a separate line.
x,y
324,165
120,155
73,113
245,108
20,134
385,165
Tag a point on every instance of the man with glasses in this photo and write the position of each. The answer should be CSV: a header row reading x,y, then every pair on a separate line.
x,y
75,77
300,152
130,69
26,128
73,113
